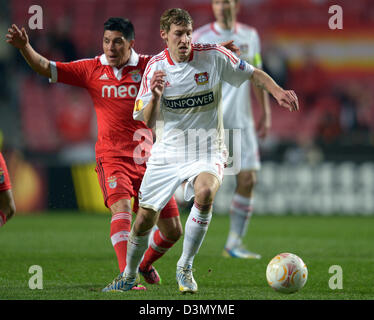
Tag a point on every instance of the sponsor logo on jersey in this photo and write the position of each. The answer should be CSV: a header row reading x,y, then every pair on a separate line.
x,y
202,78
119,92
112,182
104,77
2,176
242,65
190,102
138,105
135,75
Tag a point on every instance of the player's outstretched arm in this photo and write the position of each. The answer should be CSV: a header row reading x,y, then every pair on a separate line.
x,y
285,98
20,40
151,110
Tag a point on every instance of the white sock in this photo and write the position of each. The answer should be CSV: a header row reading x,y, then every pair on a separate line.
x,y
136,247
195,230
240,214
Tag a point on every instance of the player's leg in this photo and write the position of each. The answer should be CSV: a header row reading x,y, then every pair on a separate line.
x,y
206,186
240,214
113,175
158,186
138,242
242,202
7,205
169,230
120,226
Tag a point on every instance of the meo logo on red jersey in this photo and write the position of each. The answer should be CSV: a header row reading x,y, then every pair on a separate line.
x,y
119,92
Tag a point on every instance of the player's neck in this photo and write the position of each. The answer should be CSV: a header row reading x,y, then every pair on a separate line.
x,y
226,24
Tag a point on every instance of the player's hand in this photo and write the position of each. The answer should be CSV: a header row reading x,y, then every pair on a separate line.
x,y
16,37
287,99
231,46
158,83
264,125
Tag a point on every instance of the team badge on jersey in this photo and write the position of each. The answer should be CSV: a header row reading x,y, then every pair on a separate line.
x,y
135,75
202,78
242,65
138,105
112,182
2,176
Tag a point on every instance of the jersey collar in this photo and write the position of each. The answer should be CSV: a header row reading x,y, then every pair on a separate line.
x,y
170,60
218,30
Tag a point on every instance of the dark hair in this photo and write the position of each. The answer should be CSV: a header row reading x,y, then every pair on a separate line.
x,y
177,16
122,25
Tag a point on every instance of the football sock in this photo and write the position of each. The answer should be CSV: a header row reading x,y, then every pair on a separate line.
x,y
240,214
158,246
136,248
120,227
195,230
2,218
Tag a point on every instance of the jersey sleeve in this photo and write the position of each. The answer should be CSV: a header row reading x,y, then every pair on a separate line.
x,y
76,73
257,60
233,70
145,93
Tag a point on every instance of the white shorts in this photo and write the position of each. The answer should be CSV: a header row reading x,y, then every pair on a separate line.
x,y
246,149
160,181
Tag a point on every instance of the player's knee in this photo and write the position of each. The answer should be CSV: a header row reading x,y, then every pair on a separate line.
x,y
145,220
174,234
247,181
177,233
204,194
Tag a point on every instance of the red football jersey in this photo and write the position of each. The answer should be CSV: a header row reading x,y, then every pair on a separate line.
x,y
4,175
113,92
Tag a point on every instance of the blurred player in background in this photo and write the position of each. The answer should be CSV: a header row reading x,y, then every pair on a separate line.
x,y
7,206
182,85
123,145
237,114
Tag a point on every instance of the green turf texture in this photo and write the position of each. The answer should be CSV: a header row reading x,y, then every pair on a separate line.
x,y
78,260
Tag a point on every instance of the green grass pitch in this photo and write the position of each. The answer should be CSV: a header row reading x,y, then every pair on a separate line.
x,y
77,259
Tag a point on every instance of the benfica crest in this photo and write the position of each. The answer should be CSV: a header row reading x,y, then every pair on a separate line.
x,y
112,182
135,75
202,78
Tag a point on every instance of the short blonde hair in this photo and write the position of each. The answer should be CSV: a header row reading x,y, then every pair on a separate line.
x,y
177,16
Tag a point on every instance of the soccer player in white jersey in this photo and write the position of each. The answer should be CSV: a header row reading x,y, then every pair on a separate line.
x,y
240,117
182,85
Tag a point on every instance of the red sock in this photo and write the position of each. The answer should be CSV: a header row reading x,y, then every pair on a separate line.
x,y
120,227
158,247
2,218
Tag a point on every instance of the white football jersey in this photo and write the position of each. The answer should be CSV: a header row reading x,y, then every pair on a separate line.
x,y
191,101
247,39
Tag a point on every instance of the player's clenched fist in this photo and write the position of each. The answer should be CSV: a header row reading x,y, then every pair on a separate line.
x,y
158,83
16,37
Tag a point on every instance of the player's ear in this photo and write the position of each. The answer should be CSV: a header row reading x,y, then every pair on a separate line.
x,y
132,43
164,35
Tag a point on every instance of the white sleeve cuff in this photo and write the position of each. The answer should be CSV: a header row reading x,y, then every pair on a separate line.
x,y
53,78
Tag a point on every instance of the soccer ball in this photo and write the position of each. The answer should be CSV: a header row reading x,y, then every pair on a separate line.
x,y
286,273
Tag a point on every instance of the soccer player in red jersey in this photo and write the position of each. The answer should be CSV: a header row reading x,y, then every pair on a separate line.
x,y
7,206
123,144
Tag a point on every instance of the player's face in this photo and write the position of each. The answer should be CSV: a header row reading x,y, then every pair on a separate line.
x,y
224,10
178,40
116,48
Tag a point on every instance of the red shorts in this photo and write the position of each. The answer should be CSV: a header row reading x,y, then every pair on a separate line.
x,y
4,175
120,178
